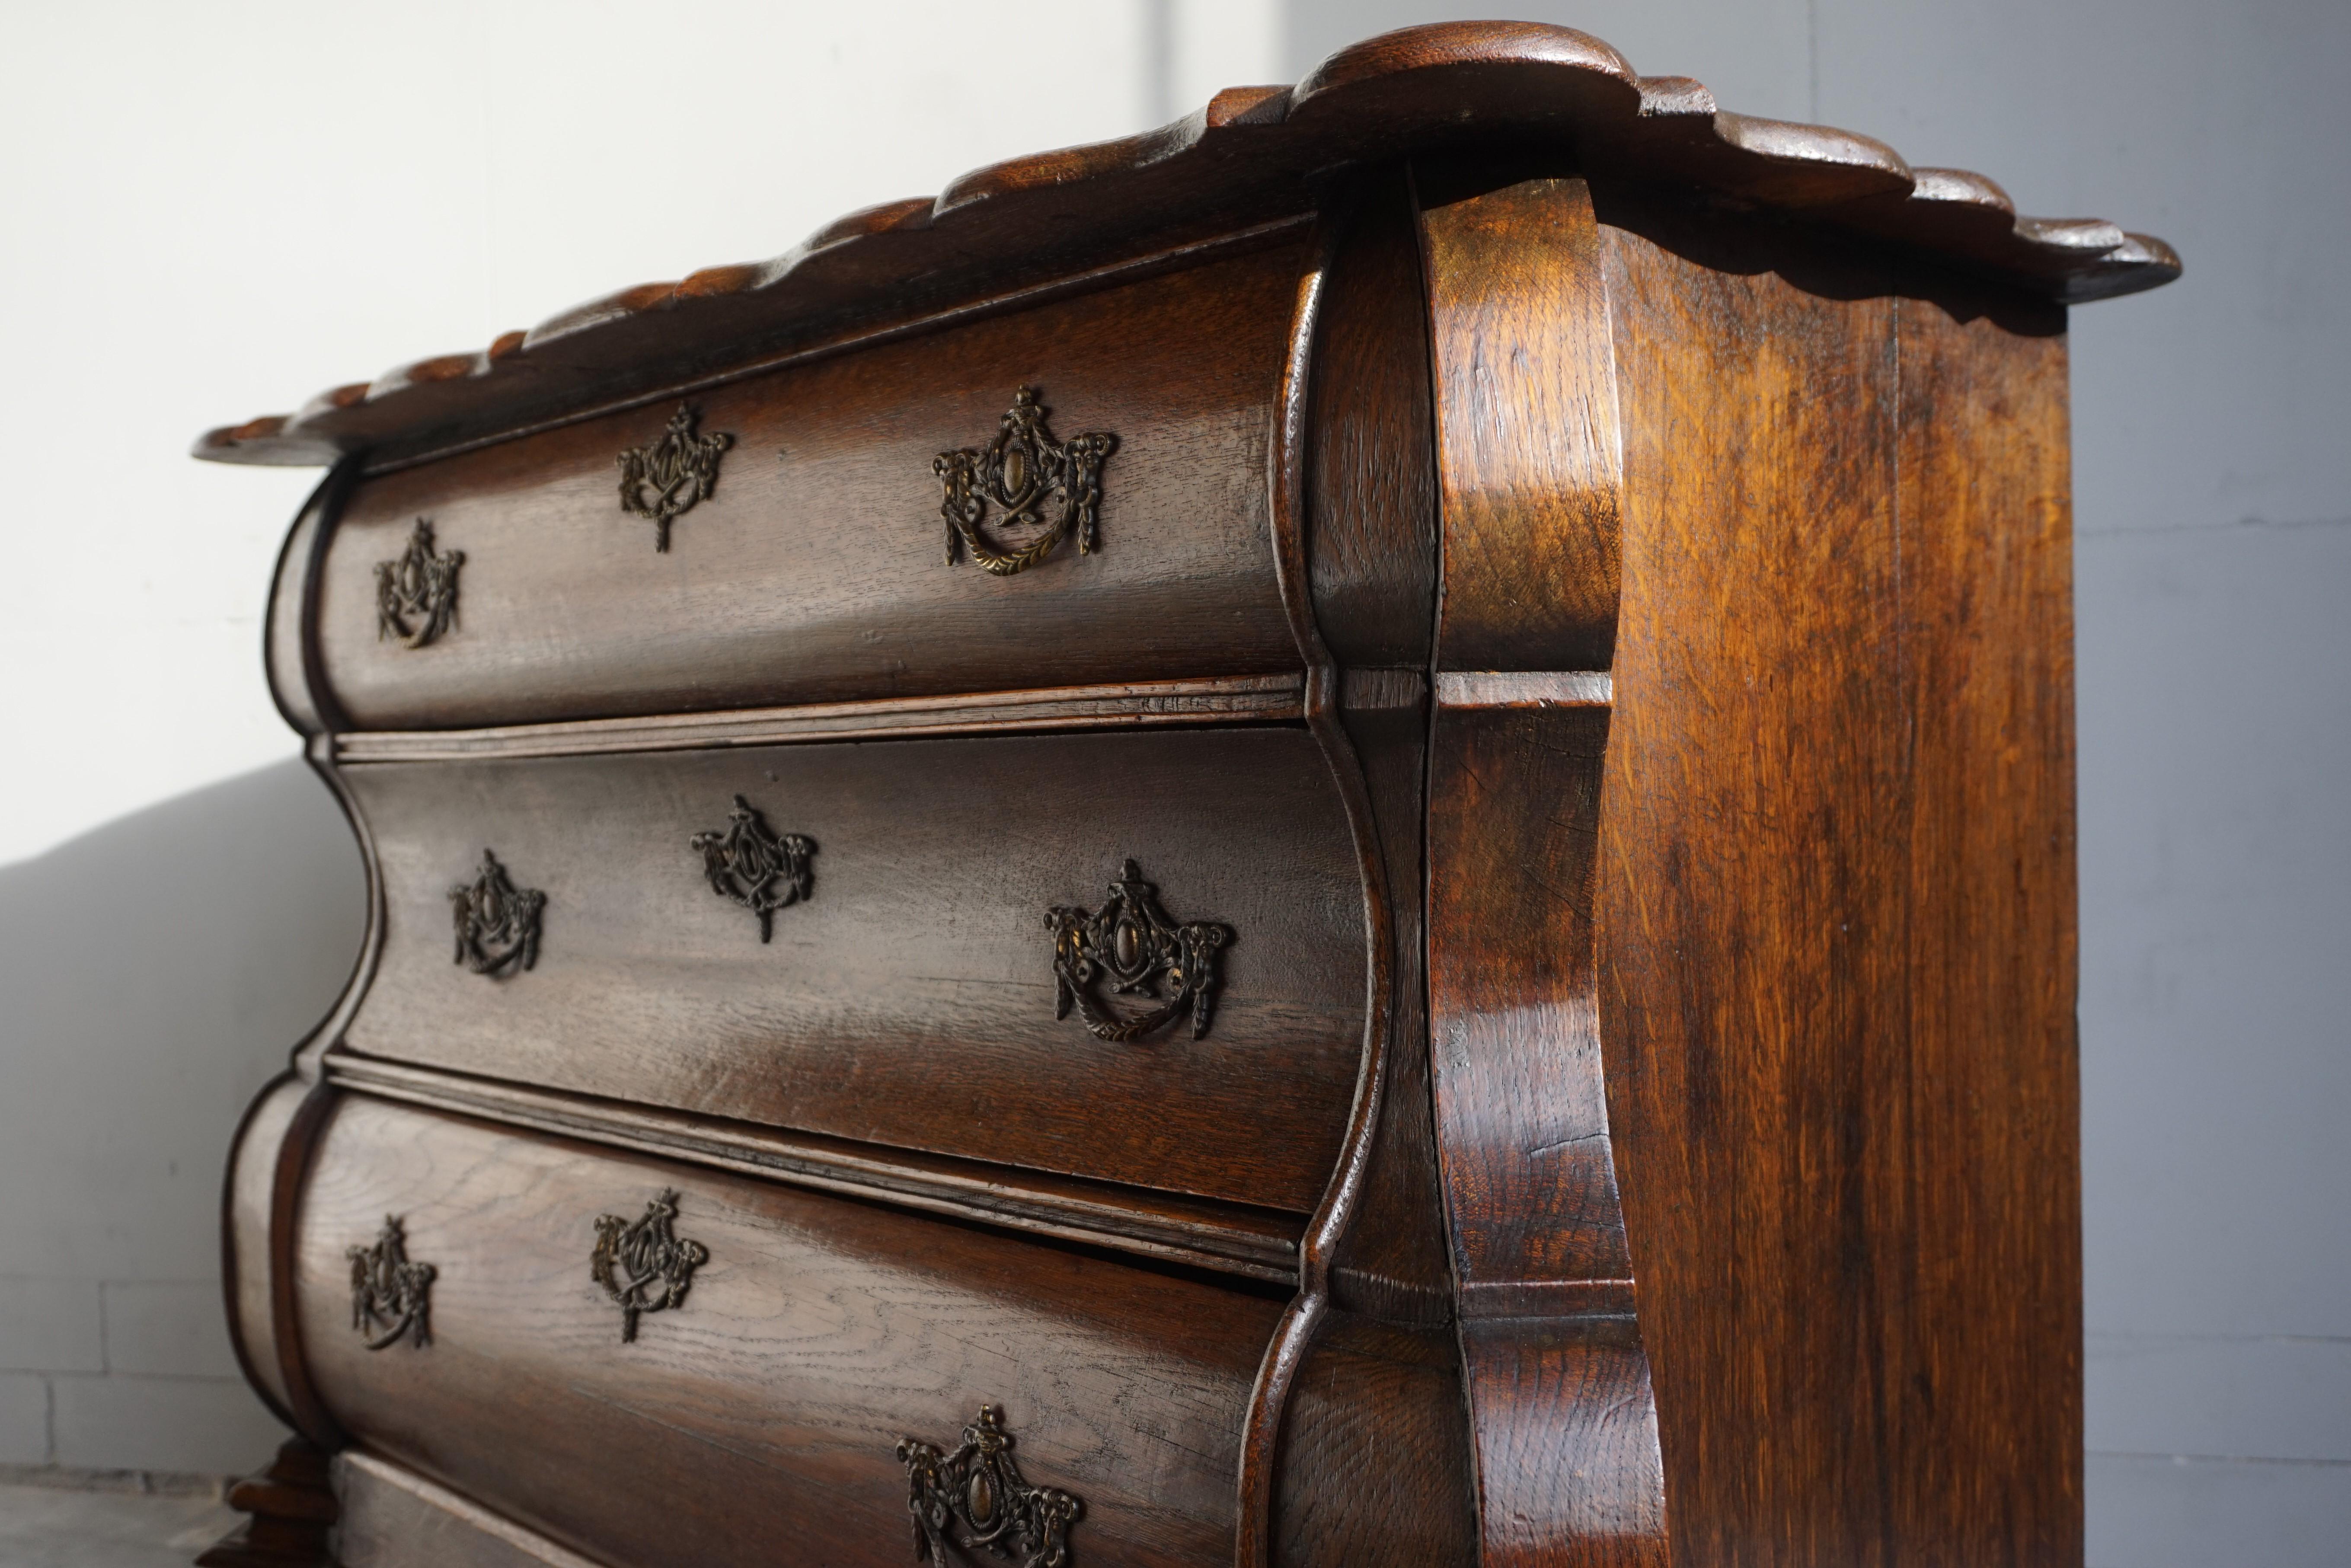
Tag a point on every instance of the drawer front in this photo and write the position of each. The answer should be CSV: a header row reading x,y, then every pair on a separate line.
x,y
911,998
765,1406
816,567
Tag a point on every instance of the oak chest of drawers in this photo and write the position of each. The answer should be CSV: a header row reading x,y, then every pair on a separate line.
x,y
1339,837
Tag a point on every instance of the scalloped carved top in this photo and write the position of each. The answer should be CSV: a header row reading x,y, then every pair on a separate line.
x,y
1242,160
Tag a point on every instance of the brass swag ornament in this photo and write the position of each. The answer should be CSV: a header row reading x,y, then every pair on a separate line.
x,y
1020,471
497,923
391,1296
976,1493
665,480
416,596
757,868
1133,944
643,1263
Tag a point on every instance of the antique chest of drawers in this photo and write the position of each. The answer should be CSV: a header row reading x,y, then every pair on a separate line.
x,y
1342,836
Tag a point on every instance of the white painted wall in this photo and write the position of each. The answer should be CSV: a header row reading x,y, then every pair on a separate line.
x,y
213,211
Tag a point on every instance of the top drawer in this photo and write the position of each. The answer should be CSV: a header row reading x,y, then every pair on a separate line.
x,y
815,569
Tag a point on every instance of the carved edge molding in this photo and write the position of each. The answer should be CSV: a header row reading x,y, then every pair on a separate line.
x,y
752,866
643,1264
975,1500
496,922
666,480
391,1297
1134,945
1020,471
416,595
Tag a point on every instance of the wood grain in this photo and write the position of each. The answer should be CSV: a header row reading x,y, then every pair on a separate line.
x,y
393,1516
1370,484
1836,911
816,1334
1562,1412
816,571
909,1001
1529,458
1226,1237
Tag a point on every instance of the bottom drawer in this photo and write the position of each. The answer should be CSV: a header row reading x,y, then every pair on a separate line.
x,y
756,1419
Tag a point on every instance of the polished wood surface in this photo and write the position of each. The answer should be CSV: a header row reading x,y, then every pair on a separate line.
x,y
910,1000
1837,924
1583,608
816,1336
816,570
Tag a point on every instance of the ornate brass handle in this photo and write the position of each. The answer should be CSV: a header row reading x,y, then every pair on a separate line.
x,y
663,480
643,1264
1135,946
391,1298
976,1493
416,596
497,923
1020,471
758,869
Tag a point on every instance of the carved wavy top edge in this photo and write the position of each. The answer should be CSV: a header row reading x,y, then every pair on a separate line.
x,y
1241,158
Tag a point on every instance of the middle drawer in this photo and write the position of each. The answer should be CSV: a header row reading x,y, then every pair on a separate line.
x,y
910,997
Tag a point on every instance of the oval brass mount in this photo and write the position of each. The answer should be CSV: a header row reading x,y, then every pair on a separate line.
x,y
1022,470
1134,946
975,1500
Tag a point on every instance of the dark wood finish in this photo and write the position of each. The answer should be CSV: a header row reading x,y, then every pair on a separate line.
x,y
922,961
1579,638
816,573
1528,449
1371,484
1250,157
291,1515
816,1334
1843,1071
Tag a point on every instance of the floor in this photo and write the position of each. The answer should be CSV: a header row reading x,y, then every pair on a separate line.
x,y
50,1527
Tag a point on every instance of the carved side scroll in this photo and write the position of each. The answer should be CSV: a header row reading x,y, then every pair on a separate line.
x,y
975,1500
1134,945
1022,471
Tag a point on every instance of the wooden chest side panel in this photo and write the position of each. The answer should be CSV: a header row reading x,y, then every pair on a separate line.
x,y
909,1001
1835,908
765,1408
816,570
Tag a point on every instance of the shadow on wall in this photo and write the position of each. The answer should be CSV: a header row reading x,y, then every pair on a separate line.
x,y
156,972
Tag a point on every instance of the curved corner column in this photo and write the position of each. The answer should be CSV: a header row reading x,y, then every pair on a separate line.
x,y
1563,1421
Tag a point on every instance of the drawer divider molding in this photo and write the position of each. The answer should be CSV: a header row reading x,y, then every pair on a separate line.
x,y
1201,1233
1225,699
